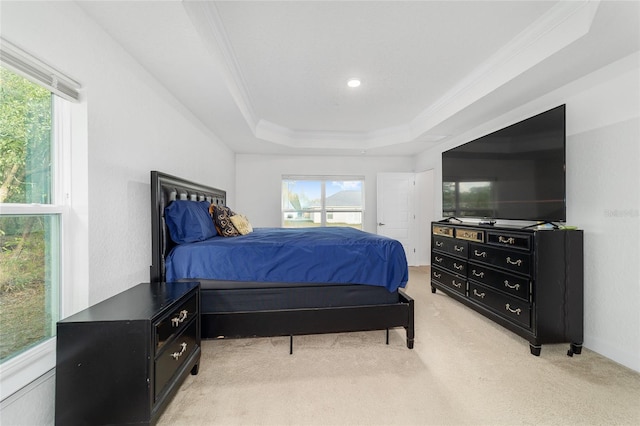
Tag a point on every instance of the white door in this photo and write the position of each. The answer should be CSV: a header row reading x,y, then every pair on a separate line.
x,y
395,210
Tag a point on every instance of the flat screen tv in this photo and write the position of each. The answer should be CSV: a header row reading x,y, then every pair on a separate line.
x,y
516,173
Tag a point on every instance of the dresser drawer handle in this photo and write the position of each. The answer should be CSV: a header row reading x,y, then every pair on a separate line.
x,y
458,267
514,262
458,248
515,311
455,284
177,355
439,243
480,254
480,295
506,240
514,286
176,321
477,274
438,259
436,275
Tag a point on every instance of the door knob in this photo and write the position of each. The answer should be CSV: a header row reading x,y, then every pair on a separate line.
x,y
380,224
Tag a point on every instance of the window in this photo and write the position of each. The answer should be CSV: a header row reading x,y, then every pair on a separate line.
x,y
34,137
322,201
30,219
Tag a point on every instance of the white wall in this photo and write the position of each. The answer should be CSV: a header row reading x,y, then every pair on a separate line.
x,y
131,126
603,177
259,181
424,210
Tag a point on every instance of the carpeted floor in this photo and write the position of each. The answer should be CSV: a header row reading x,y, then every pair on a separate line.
x,y
464,370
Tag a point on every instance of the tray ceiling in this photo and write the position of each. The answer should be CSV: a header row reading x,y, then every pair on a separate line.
x,y
271,77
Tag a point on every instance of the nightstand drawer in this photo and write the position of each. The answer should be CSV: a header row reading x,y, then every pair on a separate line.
x,y
176,353
175,321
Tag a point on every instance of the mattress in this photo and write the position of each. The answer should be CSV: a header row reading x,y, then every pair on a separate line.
x,y
324,255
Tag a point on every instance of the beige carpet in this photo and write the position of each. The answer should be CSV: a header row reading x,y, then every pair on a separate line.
x,y
464,370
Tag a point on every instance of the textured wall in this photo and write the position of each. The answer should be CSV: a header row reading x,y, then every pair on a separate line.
x,y
603,177
132,126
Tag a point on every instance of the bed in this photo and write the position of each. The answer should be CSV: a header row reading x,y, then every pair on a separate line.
x,y
252,299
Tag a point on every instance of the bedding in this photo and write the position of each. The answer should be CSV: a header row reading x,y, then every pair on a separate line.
x,y
332,255
189,221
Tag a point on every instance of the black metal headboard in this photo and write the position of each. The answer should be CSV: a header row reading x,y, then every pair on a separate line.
x,y
164,189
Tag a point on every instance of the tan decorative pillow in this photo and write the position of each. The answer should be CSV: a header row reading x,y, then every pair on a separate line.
x,y
241,223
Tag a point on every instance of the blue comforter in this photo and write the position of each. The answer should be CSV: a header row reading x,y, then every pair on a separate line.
x,y
317,255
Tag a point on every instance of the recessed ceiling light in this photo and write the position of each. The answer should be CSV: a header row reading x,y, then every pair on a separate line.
x,y
354,82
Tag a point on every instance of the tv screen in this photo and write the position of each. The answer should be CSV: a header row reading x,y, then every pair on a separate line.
x,y
515,173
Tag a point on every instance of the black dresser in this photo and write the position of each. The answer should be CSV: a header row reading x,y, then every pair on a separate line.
x,y
122,360
529,281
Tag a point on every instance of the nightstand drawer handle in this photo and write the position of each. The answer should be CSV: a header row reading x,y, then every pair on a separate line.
x,y
480,295
458,267
438,259
514,286
458,248
439,243
455,284
514,262
436,275
177,355
477,274
506,240
480,254
176,321
515,311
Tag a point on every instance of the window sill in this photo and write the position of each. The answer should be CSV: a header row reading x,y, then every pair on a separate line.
x,y
18,372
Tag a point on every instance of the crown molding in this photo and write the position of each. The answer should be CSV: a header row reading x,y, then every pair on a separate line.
x,y
562,25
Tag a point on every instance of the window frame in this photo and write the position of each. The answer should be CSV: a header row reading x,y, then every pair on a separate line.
x,y
27,366
324,210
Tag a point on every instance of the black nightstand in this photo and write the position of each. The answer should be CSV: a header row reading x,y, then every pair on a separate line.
x,y
122,360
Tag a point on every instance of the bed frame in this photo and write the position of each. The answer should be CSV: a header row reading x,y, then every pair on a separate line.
x,y
265,323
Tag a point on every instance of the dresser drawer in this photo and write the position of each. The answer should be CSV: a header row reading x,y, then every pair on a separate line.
x,y
449,280
508,307
447,231
508,259
175,354
509,240
470,234
452,246
457,266
175,321
512,284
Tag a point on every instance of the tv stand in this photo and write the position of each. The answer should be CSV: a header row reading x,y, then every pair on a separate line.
x,y
530,281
